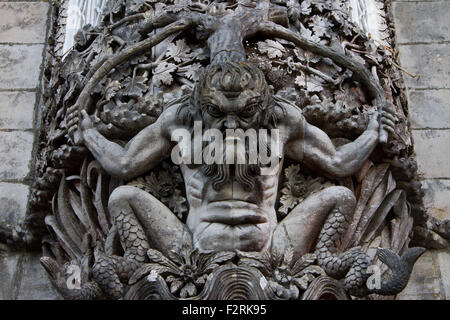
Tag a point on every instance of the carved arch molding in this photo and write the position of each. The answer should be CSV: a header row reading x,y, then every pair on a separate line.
x,y
128,232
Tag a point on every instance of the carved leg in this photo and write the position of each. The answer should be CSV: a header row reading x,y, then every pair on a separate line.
x,y
302,226
142,215
328,212
143,222
351,264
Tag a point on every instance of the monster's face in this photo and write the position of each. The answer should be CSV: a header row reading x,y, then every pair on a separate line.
x,y
224,110
233,96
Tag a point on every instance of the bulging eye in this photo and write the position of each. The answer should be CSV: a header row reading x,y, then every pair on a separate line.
x,y
249,110
213,110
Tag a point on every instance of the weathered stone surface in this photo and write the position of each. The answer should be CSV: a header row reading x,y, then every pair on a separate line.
x,y
444,262
15,154
16,110
429,109
23,278
437,198
431,61
35,284
9,264
425,280
426,238
20,65
429,24
433,151
13,202
23,22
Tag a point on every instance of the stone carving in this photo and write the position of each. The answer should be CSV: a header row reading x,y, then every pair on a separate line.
x,y
301,227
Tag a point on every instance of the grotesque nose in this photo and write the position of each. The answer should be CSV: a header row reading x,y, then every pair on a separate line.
x,y
231,123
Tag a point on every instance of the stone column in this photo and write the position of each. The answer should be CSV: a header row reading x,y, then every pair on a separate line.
x,y
423,35
23,34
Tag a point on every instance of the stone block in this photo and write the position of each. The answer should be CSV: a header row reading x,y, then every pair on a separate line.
x,y
430,21
20,66
425,282
433,152
13,202
35,284
444,265
23,22
437,198
429,109
16,110
15,154
9,264
431,61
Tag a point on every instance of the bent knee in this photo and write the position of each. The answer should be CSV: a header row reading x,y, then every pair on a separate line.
x,y
341,195
122,194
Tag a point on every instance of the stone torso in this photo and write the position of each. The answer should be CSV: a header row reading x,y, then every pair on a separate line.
x,y
231,217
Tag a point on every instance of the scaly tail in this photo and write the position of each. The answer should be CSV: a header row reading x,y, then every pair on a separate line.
x,y
110,272
401,269
352,265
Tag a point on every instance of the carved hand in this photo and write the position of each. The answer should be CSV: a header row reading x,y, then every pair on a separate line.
x,y
388,119
85,124
374,124
86,121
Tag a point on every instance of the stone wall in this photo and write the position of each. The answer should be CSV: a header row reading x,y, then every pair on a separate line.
x,y
423,39
23,34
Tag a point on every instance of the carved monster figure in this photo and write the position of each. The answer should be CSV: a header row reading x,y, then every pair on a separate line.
x,y
232,206
233,210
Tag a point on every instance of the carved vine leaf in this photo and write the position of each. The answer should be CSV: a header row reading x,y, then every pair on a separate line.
x,y
192,72
111,89
305,56
320,26
111,8
309,83
134,86
166,185
163,74
132,35
272,48
305,7
297,187
179,51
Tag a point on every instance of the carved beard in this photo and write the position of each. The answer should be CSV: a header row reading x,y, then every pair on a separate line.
x,y
245,174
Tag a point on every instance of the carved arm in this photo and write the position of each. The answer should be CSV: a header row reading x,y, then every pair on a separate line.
x,y
141,154
316,150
